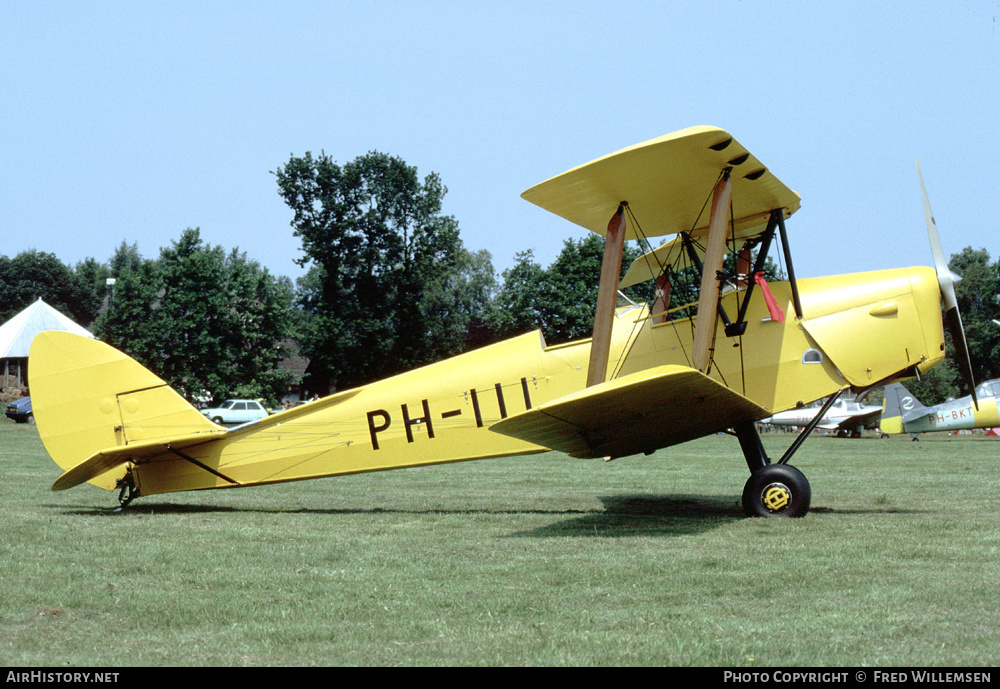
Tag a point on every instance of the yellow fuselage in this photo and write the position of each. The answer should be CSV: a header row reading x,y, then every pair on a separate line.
x,y
856,330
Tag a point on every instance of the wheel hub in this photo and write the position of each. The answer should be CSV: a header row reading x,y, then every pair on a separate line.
x,y
776,497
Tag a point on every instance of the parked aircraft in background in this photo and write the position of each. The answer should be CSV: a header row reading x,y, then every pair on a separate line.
x,y
649,378
845,417
903,413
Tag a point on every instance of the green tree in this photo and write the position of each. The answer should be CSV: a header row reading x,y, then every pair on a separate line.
x,y
381,254
570,289
126,257
260,315
130,322
90,278
33,275
560,299
207,323
977,296
193,317
458,303
10,299
516,307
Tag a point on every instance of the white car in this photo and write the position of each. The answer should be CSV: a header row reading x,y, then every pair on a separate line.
x,y
236,412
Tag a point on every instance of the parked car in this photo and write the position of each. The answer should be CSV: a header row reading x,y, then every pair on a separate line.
x,y
236,411
20,411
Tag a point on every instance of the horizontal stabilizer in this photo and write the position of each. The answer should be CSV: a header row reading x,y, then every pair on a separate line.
x,y
104,460
641,412
109,458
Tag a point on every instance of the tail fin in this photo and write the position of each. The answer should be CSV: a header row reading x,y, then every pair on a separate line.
x,y
897,403
88,397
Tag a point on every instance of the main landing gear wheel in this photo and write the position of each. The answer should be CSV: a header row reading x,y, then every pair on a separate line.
x,y
776,490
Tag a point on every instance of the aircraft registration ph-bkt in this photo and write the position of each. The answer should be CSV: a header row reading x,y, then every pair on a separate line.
x,y
903,413
649,378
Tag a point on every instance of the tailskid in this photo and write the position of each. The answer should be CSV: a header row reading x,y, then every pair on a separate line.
x,y
128,490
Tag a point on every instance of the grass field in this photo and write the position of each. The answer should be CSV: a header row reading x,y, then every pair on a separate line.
x,y
544,560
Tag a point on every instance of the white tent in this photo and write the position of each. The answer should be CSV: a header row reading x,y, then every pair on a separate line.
x,y
16,336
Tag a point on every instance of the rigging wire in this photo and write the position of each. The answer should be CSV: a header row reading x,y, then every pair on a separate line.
x,y
662,268
682,259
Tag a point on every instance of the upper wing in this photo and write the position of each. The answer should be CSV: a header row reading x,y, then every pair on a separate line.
x,y
664,181
641,412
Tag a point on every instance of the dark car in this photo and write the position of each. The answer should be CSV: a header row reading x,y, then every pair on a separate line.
x,y
20,410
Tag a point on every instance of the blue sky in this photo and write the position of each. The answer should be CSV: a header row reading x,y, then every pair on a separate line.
x,y
125,121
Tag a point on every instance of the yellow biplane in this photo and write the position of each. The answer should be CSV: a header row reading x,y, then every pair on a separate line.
x,y
649,378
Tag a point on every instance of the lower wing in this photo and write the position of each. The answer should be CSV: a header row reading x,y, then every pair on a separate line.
x,y
641,412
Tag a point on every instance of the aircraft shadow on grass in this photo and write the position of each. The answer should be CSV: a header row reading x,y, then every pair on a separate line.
x,y
150,509
648,515
623,515
668,515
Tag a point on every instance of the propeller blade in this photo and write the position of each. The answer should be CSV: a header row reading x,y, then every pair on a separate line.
x,y
946,281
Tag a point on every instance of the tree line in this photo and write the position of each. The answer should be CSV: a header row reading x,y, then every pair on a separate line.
x,y
388,286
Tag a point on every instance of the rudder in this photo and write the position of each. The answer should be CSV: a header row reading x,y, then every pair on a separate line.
x,y
898,401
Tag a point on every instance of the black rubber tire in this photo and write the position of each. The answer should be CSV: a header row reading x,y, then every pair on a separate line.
x,y
777,490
